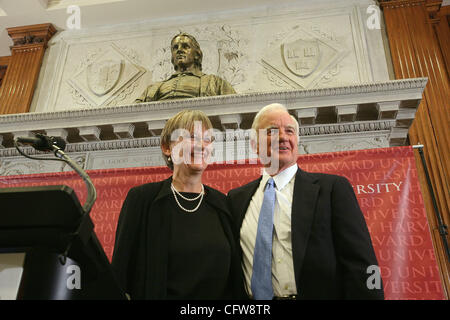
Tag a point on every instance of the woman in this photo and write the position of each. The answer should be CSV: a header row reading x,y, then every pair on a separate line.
x,y
174,237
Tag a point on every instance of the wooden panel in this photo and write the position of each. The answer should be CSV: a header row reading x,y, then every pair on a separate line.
x,y
416,52
21,76
4,61
442,30
2,74
420,132
432,65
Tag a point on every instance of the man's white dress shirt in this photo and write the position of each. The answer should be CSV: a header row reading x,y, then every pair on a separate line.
x,y
283,278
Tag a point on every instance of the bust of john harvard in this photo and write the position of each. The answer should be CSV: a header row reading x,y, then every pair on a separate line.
x,y
188,81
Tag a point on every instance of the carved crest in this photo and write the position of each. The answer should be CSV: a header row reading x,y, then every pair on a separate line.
x,y
103,76
301,57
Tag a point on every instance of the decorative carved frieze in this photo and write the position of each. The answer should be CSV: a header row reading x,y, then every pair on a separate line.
x,y
304,51
346,128
105,76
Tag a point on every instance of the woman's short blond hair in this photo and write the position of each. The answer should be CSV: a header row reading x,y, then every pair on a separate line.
x,y
182,120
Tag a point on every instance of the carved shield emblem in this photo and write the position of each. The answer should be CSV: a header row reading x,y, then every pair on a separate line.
x,y
301,57
103,76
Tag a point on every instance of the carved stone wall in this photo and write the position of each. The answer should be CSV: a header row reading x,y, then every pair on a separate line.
x,y
302,46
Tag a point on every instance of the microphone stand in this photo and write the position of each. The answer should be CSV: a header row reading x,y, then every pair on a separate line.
x,y
85,222
92,193
85,225
442,227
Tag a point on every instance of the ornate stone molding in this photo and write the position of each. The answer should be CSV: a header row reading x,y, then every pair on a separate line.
x,y
342,128
405,89
379,110
105,76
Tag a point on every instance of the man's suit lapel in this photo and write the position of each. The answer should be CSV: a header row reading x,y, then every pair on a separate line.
x,y
303,212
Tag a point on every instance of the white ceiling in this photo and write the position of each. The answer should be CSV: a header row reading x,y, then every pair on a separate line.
x,y
15,13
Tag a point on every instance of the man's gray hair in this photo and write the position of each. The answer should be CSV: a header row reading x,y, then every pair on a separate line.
x,y
270,107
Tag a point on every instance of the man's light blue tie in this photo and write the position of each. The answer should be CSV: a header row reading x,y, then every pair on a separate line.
x,y
262,258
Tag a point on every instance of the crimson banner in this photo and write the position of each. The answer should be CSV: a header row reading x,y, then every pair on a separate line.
x,y
384,180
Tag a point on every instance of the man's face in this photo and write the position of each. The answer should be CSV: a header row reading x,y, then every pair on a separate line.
x,y
183,52
279,137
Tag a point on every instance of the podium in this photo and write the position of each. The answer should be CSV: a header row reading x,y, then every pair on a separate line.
x,y
43,222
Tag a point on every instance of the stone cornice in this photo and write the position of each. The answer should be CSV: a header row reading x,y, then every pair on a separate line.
x,y
386,107
382,91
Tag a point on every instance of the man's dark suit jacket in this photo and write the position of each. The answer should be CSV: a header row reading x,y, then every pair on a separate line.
x,y
331,245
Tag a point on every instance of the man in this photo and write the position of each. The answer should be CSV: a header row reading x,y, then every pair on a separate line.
x,y
318,246
188,81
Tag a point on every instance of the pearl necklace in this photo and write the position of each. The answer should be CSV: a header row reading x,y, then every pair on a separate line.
x,y
175,193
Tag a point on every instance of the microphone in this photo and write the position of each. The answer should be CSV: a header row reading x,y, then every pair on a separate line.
x,y
42,142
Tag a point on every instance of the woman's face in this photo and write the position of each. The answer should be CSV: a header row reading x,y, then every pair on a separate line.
x,y
191,150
